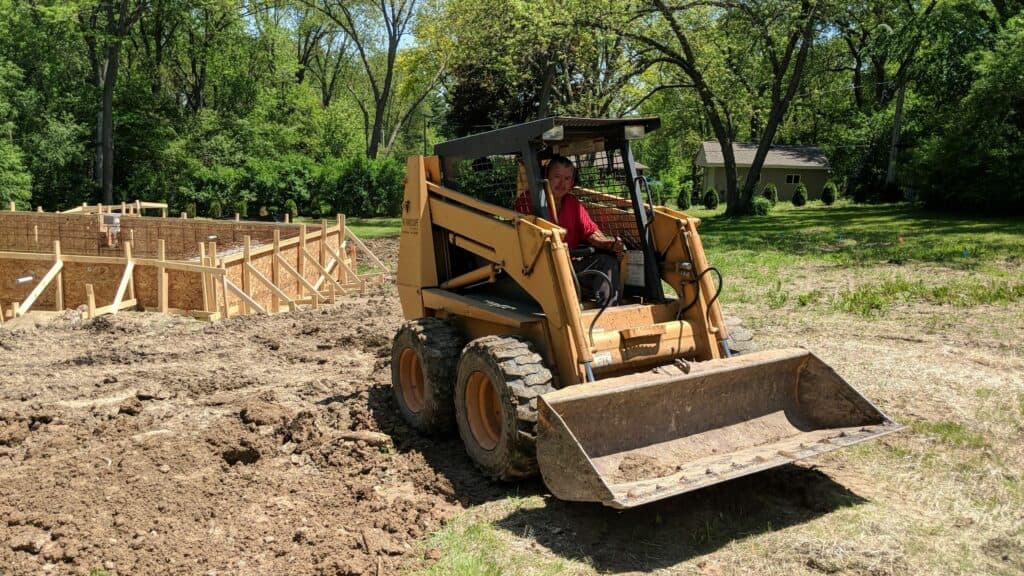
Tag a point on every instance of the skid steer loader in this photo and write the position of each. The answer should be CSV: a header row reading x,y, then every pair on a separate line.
x,y
623,404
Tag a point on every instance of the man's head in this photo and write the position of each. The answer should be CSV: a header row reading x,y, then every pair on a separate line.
x,y
561,174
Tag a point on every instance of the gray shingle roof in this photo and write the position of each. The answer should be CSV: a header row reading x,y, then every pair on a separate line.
x,y
778,156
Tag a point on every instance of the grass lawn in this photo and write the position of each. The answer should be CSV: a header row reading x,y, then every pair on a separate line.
x,y
375,227
923,314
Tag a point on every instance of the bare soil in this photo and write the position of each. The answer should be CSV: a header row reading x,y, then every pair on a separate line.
x,y
143,444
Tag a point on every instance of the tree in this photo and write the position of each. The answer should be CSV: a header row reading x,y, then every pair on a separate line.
x,y
107,26
683,36
377,30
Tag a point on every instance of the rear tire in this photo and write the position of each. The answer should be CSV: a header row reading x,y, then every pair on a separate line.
x,y
496,392
424,356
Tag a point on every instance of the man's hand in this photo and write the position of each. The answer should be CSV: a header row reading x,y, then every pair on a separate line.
x,y
611,243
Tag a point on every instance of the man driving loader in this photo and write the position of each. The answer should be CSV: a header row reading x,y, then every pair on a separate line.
x,y
598,271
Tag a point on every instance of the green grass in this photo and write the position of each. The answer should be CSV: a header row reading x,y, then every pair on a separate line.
x,y
851,234
474,548
375,227
870,299
950,432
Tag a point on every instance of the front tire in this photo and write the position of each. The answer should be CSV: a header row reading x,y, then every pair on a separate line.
x,y
424,356
499,380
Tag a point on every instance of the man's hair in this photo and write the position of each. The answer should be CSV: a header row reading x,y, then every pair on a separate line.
x,y
562,161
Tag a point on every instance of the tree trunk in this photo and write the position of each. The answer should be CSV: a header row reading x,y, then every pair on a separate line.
x,y
890,174
107,124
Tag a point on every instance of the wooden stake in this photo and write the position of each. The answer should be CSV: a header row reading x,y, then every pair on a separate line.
x,y
184,215
12,206
20,310
225,310
126,278
238,217
203,280
341,246
300,256
39,208
59,287
247,257
161,277
128,257
90,300
277,292
275,270
211,254
247,300
287,218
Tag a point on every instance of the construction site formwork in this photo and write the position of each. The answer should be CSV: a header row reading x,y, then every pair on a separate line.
x,y
104,261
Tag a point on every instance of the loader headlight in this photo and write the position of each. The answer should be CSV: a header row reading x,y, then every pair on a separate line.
x,y
634,132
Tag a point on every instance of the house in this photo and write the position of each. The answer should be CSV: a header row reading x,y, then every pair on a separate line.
x,y
785,166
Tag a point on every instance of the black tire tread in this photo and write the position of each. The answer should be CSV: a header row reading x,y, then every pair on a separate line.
x,y
526,378
439,345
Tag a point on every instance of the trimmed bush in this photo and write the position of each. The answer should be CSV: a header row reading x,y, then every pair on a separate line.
x,y
684,197
291,208
771,193
242,208
829,193
760,206
190,209
215,211
711,199
800,195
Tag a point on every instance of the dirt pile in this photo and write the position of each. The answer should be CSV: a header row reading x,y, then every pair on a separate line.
x,y
141,444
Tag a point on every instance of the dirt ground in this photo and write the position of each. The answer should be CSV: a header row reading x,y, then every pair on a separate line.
x,y
143,444
139,443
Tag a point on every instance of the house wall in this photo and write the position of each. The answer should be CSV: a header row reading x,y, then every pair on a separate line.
x,y
813,179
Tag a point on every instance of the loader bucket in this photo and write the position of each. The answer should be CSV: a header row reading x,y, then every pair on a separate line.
x,y
631,440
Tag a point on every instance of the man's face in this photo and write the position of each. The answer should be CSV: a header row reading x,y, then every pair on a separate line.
x,y
561,180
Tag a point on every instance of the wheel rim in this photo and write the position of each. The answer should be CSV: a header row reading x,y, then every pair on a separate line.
x,y
483,410
411,377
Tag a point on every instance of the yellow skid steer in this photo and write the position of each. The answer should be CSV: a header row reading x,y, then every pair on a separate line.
x,y
621,404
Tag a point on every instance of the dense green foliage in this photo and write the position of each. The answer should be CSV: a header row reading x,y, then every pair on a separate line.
x,y
310,107
710,199
800,195
829,193
770,192
761,206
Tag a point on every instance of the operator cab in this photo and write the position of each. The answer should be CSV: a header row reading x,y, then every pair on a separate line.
x,y
499,166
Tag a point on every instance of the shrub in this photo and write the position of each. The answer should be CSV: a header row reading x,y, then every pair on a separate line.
x,y
829,193
683,200
215,211
358,186
242,208
800,195
711,199
760,206
190,209
291,208
771,193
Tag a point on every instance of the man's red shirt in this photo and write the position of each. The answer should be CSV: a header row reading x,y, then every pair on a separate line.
x,y
571,215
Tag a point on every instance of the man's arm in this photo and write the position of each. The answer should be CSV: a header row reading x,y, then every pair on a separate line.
x,y
601,240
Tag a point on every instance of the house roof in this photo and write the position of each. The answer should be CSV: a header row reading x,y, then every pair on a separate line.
x,y
810,157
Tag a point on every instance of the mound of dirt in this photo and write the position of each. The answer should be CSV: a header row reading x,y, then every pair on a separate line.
x,y
140,444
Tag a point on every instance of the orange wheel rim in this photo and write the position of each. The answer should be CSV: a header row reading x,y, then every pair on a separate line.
x,y
483,410
410,376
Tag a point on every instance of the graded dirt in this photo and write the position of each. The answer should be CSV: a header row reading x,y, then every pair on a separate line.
x,y
144,444
148,444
